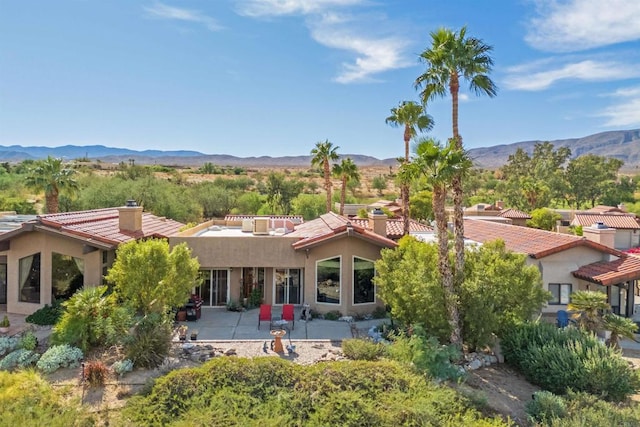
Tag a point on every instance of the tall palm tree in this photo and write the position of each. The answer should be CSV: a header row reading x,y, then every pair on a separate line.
x,y
347,171
440,165
51,177
322,155
453,56
413,117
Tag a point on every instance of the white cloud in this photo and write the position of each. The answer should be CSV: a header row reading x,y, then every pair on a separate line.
x,y
626,110
290,7
543,74
574,25
332,25
163,11
463,97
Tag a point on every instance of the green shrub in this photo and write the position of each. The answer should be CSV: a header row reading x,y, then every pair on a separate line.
x,y
18,359
556,359
47,315
332,315
361,349
584,409
545,407
8,344
150,342
59,356
29,341
92,319
426,354
379,313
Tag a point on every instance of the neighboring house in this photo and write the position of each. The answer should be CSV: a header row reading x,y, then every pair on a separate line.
x,y
498,213
9,221
627,228
53,255
327,262
516,216
569,263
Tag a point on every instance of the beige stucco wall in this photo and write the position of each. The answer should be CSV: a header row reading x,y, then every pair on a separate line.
x,y
34,242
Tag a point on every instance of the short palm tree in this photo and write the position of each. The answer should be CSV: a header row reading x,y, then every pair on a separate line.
x,y
587,308
439,165
322,155
454,56
413,117
51,177
347,171
620,327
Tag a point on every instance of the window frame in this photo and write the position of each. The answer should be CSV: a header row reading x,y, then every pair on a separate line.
x,y
38,278
339,257
353,282
559,293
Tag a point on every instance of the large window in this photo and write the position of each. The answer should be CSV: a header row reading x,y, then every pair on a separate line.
x,y
363,287
328,281
560,293
29,278
67,275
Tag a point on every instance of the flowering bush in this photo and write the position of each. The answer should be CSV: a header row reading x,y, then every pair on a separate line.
x,y
20,359
59,356
121,367
7,345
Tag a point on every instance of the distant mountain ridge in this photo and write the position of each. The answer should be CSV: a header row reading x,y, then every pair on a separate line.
x,y
622,144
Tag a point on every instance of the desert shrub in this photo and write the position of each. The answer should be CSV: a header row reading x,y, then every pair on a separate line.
x,y
8,344
556,359
59,356
425,353
379,313
18,359
150,342
271,391
95,373
360,349
585,409
332,315
121,367
47,315
92,319
29,341
546,406
27,399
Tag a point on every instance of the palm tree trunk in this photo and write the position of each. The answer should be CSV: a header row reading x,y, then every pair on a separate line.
x,y
327,183
444,266
404,191
51,201
343,194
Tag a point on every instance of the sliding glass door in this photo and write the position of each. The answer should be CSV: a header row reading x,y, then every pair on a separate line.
x,y
288,286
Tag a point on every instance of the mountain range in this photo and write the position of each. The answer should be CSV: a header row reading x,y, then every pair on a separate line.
x,y
621,144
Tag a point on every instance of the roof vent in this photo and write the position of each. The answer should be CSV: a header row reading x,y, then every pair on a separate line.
x,y
377,211
131,203
600,225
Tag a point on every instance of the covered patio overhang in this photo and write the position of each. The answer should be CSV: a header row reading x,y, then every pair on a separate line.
x,y
610,273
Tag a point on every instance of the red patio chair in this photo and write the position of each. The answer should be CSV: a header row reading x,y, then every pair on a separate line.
x,y
265,314
287,314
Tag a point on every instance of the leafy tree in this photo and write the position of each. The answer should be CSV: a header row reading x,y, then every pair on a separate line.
x,y
379,183
248,203
91,318
216,201
151,278
52,177
422,206
413,118
322,155
440,166
310,206
544,219
451,57
347,171
281,191
590,176
586,307
620,327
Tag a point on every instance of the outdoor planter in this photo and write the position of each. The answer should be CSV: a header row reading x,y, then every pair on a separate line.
x,y
194,335
182,333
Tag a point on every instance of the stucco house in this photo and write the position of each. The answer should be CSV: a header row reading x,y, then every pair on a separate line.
x,y
327,263
498,213
627,228
569,263
55,254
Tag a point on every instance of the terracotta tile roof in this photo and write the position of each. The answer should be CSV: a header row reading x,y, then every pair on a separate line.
x,y
102,225
394,226
621,221
533,242
332,225
296,219
514,214
599,209
612,272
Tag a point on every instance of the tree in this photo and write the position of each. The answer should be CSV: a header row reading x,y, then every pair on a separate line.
x,y
452,56
310,206
544,219
152,279
347,171
281,191
413,117
586,308
590,176
440,165
379,183
322,155
51,177
620,327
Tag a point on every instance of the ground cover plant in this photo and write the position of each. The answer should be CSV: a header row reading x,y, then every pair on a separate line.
x,y
270,391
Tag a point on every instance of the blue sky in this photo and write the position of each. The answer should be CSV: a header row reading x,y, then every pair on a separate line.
x,y
273,77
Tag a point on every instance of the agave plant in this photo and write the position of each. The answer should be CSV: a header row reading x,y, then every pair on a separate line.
x,y
620,327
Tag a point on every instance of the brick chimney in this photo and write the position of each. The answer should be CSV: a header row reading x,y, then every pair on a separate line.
x,y
600,233
378,222
500,204
130,217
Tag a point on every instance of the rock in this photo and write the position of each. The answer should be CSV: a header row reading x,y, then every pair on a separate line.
x,y
474,364
231,352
